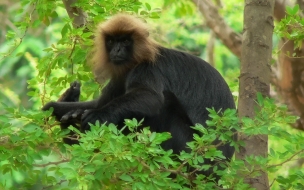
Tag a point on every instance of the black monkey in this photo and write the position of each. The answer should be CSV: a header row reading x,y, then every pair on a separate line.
x,y
169,89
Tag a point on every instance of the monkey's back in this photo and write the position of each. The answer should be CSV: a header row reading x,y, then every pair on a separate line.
x,y
195,83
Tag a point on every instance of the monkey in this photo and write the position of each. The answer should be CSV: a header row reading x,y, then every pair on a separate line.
x,y
167,88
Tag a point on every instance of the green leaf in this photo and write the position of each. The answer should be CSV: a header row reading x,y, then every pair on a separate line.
x,y
148,6
126,177
65,29
4,118
292,10
140,167
143,13
260,98
152,136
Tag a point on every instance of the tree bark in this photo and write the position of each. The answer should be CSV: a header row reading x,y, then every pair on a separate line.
x,y
255,77
77,14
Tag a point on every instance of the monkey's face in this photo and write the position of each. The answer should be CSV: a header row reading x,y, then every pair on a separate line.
x,y
119,48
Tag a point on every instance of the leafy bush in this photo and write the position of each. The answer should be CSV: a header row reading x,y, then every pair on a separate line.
x,y
106,158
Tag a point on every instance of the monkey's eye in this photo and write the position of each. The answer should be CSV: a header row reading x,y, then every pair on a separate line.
x,y
110,41
126,42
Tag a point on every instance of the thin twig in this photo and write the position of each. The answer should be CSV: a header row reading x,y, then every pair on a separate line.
x,y
51,163
289,159
22,37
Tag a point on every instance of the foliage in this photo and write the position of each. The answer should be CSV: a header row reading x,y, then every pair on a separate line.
x,y
291,26
106,158
33,155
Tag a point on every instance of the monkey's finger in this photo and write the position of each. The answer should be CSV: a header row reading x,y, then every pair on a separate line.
x,y
77,113
75,85
84,114
64,118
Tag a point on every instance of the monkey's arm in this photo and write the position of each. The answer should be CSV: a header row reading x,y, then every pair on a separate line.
x,y
71,94
143,97
138,102
71,110
66,100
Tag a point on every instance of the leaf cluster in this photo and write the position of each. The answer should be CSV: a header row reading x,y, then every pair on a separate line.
x,y
291,27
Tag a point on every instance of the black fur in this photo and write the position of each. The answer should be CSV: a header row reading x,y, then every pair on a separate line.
x,y
171,94
72,94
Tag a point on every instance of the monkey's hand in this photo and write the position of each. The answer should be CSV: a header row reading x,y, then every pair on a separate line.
x,y
49,105
56,109
93,115
72,116
71,94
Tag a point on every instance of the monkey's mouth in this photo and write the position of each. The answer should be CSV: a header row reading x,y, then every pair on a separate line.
x,y
118,60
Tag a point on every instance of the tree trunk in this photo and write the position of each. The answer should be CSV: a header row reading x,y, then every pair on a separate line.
x,y
255,77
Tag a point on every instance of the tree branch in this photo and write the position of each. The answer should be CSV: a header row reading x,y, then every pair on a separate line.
x,y
51,163
287,160
210,49
75,13
279,9
216,22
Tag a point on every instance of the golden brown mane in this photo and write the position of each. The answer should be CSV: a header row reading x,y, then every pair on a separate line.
x,y
145,48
